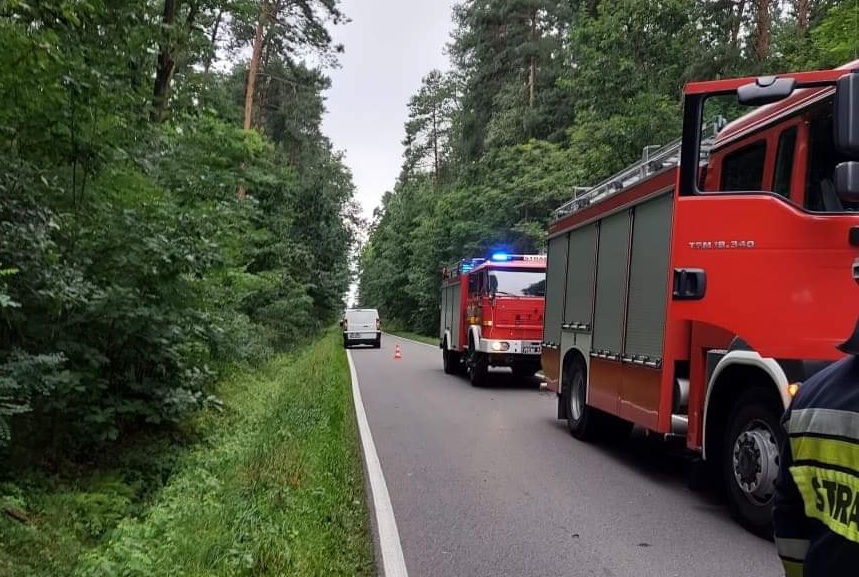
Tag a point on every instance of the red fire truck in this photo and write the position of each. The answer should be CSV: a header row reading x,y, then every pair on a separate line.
x,y
693,292
492,315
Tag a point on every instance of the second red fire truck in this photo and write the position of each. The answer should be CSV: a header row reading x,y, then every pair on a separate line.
x,y
492,315
692,292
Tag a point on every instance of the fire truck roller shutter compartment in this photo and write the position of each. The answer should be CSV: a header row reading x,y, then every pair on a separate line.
x,y
646,310
446,323
651,236
578,297
581,257
455,297
553,319
609,307
555,274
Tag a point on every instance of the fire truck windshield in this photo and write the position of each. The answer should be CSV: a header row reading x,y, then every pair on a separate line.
x,y
517,283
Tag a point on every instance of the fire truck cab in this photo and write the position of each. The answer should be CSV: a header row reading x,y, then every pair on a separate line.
x,y
694,291
492,315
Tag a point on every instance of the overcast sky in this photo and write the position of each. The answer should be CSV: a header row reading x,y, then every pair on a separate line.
x,y
390,46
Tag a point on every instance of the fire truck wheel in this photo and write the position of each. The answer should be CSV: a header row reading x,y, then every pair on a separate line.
x,y
451,362
750,458
580,417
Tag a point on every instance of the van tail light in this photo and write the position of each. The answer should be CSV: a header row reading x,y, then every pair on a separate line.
x,y
378,325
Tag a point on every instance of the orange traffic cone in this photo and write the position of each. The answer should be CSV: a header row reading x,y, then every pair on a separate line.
x,y
397,354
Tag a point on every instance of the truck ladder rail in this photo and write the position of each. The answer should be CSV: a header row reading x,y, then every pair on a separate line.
x,y
651,163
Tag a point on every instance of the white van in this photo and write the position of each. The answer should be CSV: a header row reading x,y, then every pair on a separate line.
x,y
361,327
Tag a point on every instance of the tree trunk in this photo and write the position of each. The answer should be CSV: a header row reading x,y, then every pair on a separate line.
x,y
213,38
737,22
166,63
264,87
435,143
762,30
173,46
254,66
532,68
801,10
252,75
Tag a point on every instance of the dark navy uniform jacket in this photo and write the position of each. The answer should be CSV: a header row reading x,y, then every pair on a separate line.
x,y
816,502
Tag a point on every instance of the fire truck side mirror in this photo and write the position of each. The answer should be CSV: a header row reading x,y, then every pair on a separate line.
x,y
765,90
845,115
847,181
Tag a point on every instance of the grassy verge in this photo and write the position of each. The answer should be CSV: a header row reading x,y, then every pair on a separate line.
x,y
274,487
411,335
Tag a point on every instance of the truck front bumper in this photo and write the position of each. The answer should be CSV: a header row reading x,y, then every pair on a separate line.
x,y
509,347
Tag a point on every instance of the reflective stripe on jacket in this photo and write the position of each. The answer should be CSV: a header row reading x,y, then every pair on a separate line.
x,y
816,504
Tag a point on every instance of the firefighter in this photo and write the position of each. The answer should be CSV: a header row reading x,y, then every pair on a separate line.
x,y
816,502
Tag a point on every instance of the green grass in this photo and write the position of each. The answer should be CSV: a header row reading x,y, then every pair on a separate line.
x,y
274,487
417,337
411,335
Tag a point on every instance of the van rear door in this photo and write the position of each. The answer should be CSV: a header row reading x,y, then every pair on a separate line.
x,y
361,324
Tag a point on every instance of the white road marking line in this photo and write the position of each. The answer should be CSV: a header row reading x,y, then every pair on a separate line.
x,y
393,563
411,340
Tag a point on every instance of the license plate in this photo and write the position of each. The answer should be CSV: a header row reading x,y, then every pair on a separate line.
x,y
531,350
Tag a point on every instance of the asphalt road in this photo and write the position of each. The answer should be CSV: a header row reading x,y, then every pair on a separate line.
x,y
486,482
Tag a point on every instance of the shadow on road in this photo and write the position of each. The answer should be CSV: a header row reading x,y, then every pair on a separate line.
x,y
503,379
661,461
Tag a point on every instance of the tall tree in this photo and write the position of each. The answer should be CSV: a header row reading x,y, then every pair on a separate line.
x,y
763,10
431,112
179,23
279,28
510,55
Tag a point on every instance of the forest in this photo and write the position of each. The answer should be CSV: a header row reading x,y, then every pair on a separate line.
x,y
177,237
546,95
169,208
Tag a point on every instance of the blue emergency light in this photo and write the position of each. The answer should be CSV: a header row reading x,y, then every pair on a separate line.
x,y
469,264
500,256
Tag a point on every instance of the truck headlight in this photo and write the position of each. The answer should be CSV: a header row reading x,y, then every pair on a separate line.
x,y
500,346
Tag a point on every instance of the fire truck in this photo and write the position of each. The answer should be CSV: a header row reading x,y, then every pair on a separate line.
x,y
692,293
492,315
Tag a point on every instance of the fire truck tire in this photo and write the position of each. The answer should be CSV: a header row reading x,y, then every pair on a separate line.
x,y
581,419
750,458
587,423
451,361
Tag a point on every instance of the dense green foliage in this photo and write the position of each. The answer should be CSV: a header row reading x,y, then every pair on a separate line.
x,y
273,488
546,95
146,238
